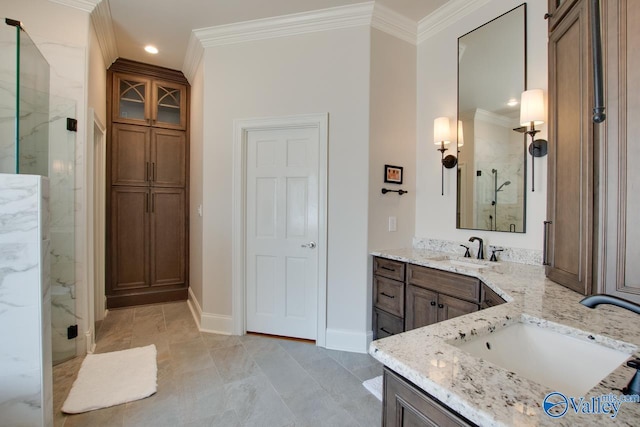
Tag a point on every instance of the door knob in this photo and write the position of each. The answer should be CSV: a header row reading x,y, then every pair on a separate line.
x,y
309,245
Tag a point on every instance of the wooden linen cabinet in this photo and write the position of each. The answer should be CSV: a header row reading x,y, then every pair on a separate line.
x,y
147,185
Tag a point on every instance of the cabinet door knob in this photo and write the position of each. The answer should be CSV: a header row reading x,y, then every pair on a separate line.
x,y
440,306
433,303
310,245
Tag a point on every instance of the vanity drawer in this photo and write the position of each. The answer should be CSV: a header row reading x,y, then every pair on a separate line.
x,y
452,284
385,324
489,297
389,268
388,295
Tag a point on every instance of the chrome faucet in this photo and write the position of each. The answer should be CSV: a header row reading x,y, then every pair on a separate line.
x,y
480,247
594,300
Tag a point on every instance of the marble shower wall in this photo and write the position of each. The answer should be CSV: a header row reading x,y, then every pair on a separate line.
x,y
498,148
62,227
25,307
7,98
68,67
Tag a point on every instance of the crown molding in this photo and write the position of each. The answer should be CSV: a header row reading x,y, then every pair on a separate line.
x,y
496,119
446,15
84,5
287,25
103,25
391,22
192,57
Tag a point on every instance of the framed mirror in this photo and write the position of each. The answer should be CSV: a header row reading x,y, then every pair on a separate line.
x,y
491,189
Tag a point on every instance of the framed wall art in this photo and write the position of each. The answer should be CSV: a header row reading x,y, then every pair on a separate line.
x,y
393,174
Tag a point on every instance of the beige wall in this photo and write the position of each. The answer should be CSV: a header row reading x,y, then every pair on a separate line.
x,y
437,96
96,78
392,128
392,139
195,183
312,73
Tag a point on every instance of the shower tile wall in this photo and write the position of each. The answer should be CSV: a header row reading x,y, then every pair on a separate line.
x,y
62,228
7,99
25,309
68,66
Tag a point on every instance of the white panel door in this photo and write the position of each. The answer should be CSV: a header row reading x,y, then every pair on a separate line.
x,y
282,232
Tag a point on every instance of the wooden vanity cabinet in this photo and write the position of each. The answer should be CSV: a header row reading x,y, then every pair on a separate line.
x,y
408,296
388,297
405,405
435,295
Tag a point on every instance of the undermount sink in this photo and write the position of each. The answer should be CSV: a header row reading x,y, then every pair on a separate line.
x,y
468,264
564,363
464,262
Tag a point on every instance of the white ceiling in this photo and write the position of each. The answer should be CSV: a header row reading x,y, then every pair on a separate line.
x,y
168,24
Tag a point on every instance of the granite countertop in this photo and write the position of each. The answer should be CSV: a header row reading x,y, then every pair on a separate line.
x,y
485,393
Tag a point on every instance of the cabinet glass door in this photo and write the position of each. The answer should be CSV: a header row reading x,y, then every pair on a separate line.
x,y
131,104
169,103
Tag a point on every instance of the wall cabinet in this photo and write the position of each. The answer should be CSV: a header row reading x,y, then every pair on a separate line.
x,y
408,296
569,226
147,101
405,405
147,206
593,244
143,156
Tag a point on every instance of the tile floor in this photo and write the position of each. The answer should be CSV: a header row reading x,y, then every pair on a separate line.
x,y
217,380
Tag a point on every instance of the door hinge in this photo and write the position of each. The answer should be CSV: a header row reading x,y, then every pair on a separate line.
x,y
72,124
72,332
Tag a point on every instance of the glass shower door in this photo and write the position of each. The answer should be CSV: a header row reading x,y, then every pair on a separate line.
x,y
62,157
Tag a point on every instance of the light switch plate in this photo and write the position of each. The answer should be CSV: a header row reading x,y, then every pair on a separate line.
x,y
392,223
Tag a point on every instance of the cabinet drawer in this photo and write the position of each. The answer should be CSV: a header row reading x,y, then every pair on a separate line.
x,y
385,324
489,297
452,284
389,295
389,268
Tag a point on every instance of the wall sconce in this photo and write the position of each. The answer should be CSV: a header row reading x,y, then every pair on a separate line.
x,y
460,134
532,114
442,137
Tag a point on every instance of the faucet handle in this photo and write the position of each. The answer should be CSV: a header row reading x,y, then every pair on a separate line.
x,y
467,254
634,363
495,249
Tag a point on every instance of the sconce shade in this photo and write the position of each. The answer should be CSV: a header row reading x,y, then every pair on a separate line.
x,y
532,107
441,131
460,134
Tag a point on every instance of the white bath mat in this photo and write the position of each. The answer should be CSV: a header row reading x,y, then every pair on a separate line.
x,y
374,385
110,379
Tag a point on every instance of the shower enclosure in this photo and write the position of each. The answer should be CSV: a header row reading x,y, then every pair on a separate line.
x,y
35,139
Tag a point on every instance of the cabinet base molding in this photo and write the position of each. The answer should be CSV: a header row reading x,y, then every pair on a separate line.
x,y
159,296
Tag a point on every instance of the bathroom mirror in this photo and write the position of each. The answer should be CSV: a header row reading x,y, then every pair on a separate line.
x,y
492,175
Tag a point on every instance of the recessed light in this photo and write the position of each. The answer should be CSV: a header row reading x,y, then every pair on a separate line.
x,y
151,49
512,102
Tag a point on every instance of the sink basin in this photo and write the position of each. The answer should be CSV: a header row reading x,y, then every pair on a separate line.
x,y
464,262
468,264
564,363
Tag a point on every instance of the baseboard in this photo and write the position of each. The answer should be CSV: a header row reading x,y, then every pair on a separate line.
x,y
208,322
348,340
